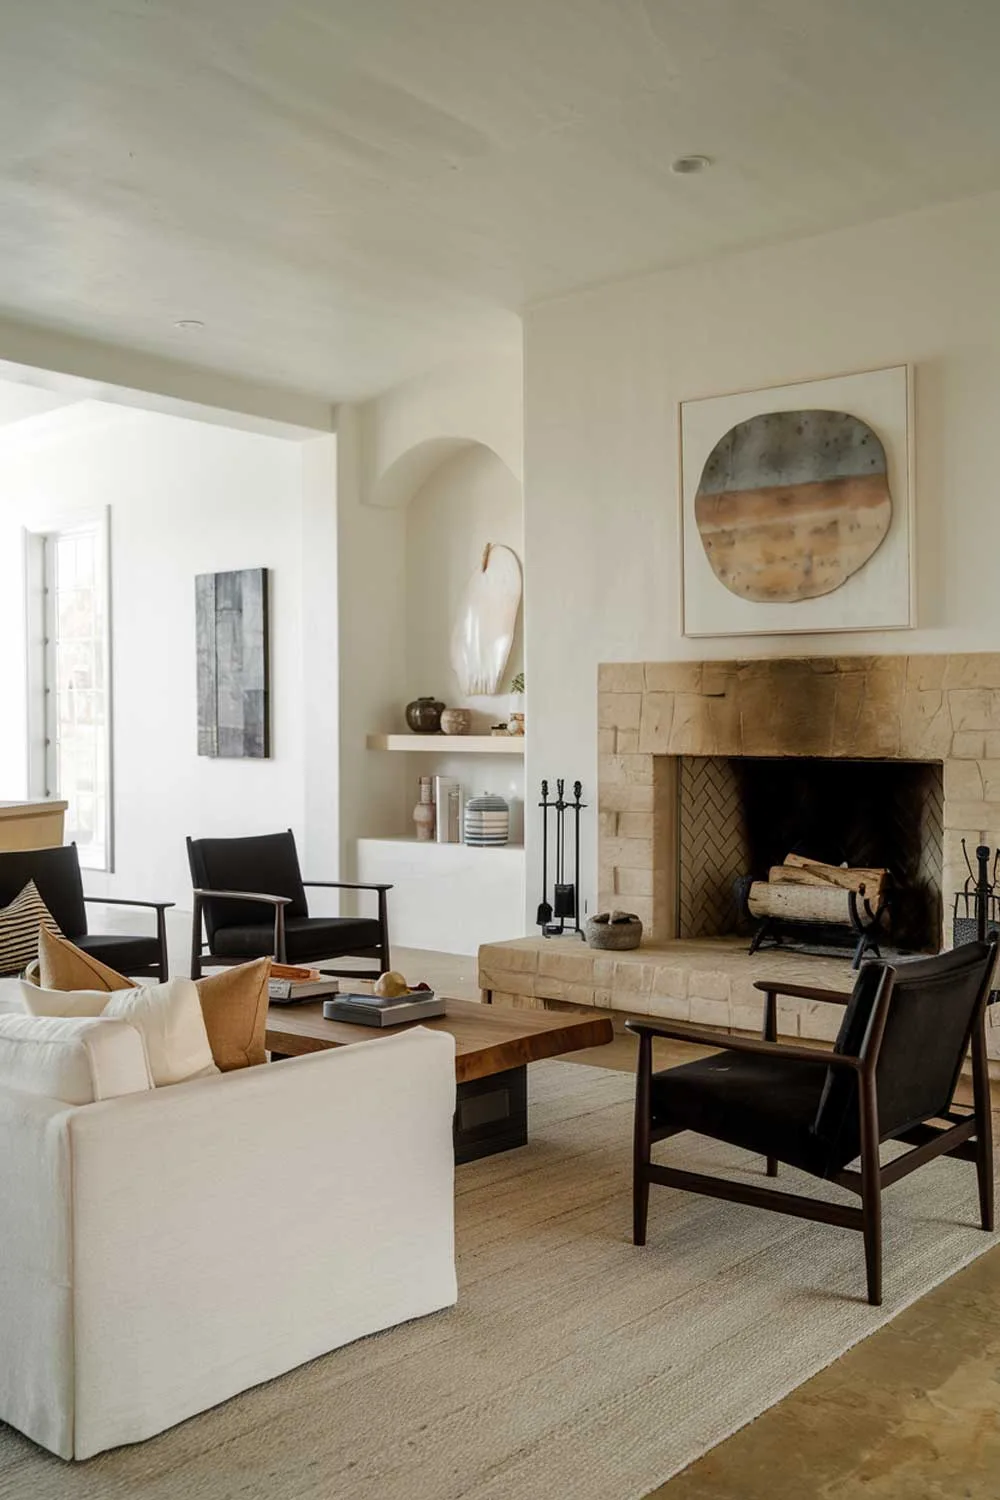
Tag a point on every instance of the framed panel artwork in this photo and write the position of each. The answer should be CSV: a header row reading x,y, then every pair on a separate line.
x,y
797,507
231,618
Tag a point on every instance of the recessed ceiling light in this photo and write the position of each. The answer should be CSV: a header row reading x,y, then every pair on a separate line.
x,y
686,166
189,323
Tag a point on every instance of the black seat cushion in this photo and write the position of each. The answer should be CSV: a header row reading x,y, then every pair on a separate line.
x,y
129,955
306,938
765,1104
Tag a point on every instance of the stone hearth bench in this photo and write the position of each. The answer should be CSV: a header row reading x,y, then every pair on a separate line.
x,y
709,981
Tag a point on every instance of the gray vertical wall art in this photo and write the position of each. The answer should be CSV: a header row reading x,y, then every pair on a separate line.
x,y
233,664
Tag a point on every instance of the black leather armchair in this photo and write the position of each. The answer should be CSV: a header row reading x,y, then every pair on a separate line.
x,y
250,896
56,873
891,1076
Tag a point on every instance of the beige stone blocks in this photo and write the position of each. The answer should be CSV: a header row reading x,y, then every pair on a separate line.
x,y
938,708
710,1012
619,710
621,677
710,984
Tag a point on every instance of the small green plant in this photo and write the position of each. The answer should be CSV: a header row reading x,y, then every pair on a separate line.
x,y
517,685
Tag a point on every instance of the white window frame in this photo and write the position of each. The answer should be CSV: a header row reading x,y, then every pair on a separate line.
x,y
41,646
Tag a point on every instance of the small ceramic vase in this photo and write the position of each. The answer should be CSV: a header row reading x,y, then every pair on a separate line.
x,y
424,814
423,715
456,721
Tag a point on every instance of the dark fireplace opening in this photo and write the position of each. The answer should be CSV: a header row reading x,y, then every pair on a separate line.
x,y
742,816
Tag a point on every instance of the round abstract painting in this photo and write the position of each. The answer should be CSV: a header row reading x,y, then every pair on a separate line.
x,y
791,503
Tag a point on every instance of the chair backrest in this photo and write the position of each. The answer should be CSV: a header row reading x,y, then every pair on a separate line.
x,y
266,862
56,873
933,1007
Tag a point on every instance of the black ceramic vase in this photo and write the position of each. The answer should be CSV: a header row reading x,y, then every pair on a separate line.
x,y
424,715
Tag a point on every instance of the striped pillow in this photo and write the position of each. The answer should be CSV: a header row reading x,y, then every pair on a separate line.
x,y
19,925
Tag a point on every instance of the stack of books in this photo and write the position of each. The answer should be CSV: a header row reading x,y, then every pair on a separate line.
x,y
290,985
373,1010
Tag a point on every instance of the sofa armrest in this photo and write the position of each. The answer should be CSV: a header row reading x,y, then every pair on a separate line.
x,y
233,1227
36,1269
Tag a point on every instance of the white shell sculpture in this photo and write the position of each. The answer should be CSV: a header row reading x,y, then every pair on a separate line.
x,y
484,630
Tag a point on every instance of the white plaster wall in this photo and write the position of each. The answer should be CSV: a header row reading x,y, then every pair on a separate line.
x,y
426,475
185,498
604,373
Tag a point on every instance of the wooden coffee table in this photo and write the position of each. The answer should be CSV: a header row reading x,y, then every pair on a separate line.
x,y
493,1046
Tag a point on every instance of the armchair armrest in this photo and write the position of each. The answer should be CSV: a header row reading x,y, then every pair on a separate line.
x,y
242,896
723,1041
201,894
802,992
346,885
122,901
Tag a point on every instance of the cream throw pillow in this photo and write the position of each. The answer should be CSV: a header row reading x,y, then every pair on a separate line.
x,y
233,1002
78,1060
169,1019
167,1016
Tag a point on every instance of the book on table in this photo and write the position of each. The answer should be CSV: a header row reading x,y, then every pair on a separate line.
x,y
377,1010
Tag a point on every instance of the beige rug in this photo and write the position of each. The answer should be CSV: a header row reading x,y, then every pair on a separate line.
x,y
575,1367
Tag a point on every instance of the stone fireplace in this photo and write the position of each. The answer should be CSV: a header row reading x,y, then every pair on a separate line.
x,y
888,760
891,758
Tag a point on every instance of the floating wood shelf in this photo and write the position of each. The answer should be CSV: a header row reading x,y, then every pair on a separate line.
x,y
450,744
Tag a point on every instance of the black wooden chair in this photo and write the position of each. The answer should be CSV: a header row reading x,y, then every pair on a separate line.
x,y
234,878
56,873
890,1077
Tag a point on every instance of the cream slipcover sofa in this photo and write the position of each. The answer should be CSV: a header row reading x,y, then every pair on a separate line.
x,y
165,1250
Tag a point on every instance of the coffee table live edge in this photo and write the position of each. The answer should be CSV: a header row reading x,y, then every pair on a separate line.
x,y
493,1046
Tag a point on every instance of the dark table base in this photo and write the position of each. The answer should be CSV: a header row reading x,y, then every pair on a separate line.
x,y
491,1115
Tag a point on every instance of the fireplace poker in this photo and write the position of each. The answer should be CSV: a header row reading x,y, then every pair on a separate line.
x,y
544,914
578,806
563,892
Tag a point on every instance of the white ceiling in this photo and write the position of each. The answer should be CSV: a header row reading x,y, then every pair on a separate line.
x,y
348,191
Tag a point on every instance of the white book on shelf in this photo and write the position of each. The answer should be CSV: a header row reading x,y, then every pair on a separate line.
x,y
448,803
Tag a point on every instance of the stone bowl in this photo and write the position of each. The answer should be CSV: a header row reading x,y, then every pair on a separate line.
x,y
616,931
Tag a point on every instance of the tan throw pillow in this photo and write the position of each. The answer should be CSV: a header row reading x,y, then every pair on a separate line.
x,y
64,966
233,1002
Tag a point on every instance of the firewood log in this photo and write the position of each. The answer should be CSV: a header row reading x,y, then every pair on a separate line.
x,y
814,871
800,903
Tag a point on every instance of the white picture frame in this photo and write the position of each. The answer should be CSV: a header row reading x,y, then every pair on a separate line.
x,y
881,594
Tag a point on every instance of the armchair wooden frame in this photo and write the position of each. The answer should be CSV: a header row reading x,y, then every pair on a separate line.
x,y
966,1136
161,908
201,894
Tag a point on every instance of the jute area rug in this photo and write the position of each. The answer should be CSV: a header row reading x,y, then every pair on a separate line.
x,y
575,1367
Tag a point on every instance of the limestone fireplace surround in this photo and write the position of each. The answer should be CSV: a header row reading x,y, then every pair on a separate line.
x,y
938,709
943,709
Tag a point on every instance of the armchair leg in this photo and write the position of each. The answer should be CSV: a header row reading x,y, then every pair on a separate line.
x,y
161,938
772,1166
383,930
196,939
984,1126
641,1141
871,1188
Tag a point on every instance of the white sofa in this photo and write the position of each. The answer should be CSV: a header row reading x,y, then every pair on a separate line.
x,y
164,1250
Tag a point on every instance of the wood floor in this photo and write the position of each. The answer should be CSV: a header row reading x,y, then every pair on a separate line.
x,y
913,1413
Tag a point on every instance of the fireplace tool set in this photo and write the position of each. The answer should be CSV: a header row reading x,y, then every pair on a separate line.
x,y
552,916
977,905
